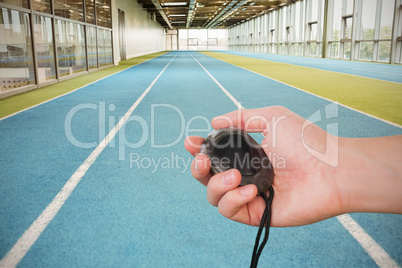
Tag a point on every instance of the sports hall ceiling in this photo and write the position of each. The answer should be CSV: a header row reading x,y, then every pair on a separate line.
x,y
180,14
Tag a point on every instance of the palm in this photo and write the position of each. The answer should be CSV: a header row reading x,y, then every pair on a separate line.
x,y
298,175
304,193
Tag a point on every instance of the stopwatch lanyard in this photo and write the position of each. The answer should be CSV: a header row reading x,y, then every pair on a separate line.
x,y
265,222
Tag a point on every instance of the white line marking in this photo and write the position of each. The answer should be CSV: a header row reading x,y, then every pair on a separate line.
x,y
343,105
238,105
46,101
376,252
18,251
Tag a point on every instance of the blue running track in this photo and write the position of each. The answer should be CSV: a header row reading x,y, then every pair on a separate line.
x,y
138,205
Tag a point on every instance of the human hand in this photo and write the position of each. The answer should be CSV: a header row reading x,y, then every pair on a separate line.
x,y
305,190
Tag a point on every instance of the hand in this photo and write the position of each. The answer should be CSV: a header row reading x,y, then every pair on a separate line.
x,y
305,190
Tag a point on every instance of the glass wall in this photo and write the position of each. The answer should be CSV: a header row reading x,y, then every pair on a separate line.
x,y
44,48
297,28
15,50
70,43
105,53
69,9
369,30
202,39
92,47
56,48
374,33
339,32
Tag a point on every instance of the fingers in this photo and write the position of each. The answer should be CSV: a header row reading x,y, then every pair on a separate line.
x,y
200,168
193,144
241,205
220,183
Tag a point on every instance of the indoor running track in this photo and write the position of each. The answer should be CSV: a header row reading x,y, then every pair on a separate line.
x,y
123,211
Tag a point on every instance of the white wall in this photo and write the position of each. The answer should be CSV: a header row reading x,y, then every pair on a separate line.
x,y
143,36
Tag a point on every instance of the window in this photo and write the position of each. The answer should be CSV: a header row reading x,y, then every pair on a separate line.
x,y
203,39
103,13
44,48
70,47
105,47
42,6
91,48
375,30
20,3
315,11
16,65
69,9
90,11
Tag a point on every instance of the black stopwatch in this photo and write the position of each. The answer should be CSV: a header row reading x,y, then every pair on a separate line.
x,y
229,148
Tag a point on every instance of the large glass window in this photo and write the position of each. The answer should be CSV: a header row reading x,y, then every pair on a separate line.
x,y
203,39
44,48
375,32
69,9
65,42
70,42
42,6
19,3
183,39
90,11
16,66
315,12
103,13
105,47
217,39
339,33
91,48
368,19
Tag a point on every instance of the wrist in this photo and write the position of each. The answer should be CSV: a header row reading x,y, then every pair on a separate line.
x,y
366,176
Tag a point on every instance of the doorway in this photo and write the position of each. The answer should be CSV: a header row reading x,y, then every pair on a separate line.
x,y
122,35
171,42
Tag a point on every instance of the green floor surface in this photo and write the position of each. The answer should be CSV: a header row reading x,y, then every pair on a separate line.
x,y
25,100
379,98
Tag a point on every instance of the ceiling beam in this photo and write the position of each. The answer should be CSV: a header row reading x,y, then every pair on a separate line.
x,y
190,13
159,8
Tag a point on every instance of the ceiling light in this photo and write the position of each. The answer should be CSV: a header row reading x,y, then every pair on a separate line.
x,y
177,15
251,4
171,4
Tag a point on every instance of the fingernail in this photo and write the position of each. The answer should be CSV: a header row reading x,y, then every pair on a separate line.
x,y
228,178
246,190
216,118
199,162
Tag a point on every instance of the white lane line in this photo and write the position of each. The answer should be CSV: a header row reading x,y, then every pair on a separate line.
x,y
238,105
46,101
343,105
376,252
18,251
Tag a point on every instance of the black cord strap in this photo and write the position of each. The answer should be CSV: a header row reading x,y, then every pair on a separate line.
x,y
265,221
